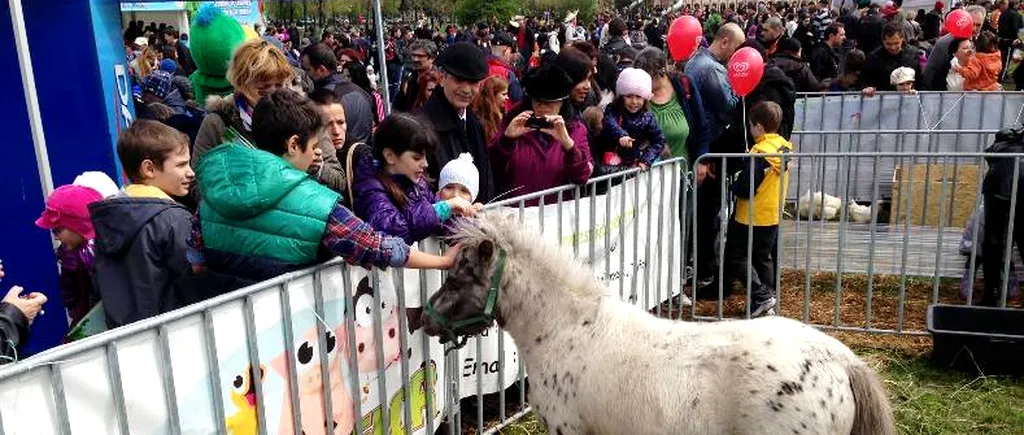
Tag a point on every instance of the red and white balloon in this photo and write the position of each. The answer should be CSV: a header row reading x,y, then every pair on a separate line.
x,y
745,69
960,24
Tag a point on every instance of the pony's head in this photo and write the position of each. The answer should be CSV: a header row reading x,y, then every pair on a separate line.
x,y
467,302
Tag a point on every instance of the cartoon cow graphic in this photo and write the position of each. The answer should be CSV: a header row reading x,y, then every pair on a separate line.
x,y
306,357
366,335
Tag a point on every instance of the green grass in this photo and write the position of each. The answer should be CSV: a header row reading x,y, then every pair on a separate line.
x,y
926,400
933,401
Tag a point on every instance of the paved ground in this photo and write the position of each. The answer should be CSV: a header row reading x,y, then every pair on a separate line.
x,y
822,241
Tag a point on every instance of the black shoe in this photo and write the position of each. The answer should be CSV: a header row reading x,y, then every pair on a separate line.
x,y
709,291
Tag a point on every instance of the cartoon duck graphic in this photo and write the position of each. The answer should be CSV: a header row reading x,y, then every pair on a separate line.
x,y
243,396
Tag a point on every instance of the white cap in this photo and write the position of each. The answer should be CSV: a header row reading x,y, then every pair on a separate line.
x,y
901,75
142,41
97,181
461,171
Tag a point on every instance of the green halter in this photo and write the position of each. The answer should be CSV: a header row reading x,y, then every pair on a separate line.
x,y
452,329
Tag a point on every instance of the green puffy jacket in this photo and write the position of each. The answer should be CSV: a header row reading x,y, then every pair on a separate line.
x,y
257,204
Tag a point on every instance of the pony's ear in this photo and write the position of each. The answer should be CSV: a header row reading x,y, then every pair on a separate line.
x,y
486,250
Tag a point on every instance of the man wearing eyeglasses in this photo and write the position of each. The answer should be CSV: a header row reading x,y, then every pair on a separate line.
x,y
421,57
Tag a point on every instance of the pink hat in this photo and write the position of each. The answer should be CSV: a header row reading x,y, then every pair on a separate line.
x,y
633,81
68,207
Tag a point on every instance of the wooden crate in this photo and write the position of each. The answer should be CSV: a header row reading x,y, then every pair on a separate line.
x,y
909,194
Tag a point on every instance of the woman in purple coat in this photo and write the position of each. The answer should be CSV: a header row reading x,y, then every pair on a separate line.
x,y
395,199
544,144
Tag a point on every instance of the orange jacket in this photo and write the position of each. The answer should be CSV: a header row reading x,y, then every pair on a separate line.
x,y
982,72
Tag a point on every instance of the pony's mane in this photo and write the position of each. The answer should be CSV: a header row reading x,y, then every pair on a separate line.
x,y
522,241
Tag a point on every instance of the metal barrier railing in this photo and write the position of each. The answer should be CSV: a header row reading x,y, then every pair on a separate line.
x,y
902,111
914,237
333,348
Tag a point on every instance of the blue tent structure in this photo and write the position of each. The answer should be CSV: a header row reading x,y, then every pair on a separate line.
x,y
64,79
65,83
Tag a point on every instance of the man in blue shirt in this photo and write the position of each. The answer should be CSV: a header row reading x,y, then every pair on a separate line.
x,y
707,68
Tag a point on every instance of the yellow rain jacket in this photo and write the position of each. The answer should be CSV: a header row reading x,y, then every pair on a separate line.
x,y
770,176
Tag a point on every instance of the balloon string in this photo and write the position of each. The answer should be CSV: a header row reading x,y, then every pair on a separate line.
x,y
746,134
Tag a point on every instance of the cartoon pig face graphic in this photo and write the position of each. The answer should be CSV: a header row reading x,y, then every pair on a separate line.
x,y
306,357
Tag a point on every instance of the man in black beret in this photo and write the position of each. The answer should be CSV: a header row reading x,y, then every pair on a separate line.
x,y
483,36
463,67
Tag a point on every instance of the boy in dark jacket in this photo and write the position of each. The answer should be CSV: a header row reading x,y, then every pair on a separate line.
x,y
141,235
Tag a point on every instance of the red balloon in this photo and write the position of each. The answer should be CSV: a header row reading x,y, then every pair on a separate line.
x,y
684,36
745,70
960,24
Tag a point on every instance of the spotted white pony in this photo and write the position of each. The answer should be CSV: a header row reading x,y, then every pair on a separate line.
x,y
598,365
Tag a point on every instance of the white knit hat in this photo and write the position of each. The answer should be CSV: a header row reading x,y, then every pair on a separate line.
x,y
461,171
901,75
633,81
97,181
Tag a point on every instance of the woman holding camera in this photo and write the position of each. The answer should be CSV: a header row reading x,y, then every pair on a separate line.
x,y
545,142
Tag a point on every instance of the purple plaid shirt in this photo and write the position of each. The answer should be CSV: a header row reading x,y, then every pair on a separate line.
x,y
358,243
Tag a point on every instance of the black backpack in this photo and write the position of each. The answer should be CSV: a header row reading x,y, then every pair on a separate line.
x,y
999,178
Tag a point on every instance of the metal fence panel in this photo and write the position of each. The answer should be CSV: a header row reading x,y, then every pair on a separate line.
x,y
871,256
334,348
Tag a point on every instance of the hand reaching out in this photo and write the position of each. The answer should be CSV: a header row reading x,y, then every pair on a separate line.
x,y
30,305
462,207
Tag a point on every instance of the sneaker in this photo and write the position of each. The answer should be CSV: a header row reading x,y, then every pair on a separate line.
x,y
766,308
682,300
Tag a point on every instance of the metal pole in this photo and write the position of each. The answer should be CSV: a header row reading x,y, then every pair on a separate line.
x,y
28,82
382,69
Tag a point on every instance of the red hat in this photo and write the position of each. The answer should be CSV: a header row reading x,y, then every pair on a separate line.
x,y
68,207
940,5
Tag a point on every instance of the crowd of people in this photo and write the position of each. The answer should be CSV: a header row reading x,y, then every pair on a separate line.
x,y
259,151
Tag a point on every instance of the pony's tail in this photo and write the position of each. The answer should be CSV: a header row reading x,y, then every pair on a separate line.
x,y
873,415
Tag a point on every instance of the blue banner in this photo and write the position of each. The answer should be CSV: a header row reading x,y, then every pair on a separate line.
x,y
245,11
